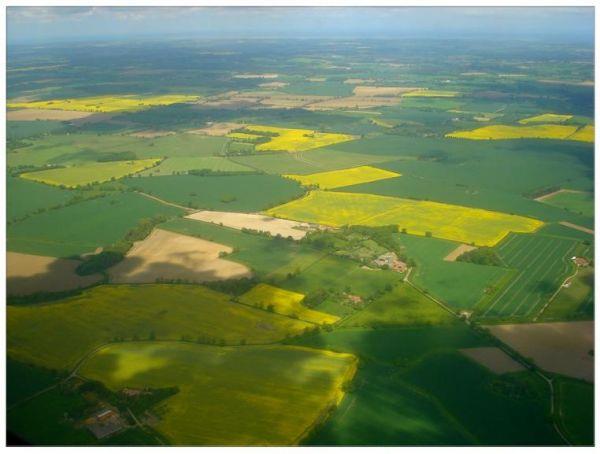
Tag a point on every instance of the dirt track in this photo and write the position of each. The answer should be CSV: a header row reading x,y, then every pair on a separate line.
x,y
456,253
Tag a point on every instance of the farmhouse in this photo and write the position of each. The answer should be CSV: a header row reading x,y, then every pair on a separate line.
x,y
105,422
391,261
581,262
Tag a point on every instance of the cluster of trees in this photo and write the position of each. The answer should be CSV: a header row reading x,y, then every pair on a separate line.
x,y
481,256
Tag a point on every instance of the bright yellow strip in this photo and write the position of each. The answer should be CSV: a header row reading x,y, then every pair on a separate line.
x,y
546,118
505,132
294,140
344,177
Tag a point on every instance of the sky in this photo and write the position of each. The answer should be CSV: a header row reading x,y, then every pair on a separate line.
x,y
70,24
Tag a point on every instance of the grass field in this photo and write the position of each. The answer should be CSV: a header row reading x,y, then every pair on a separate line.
x,y
496,411
542,263
574,302
460,285
170,166
44,334
83,227
504,132
344,177
463,224
576,403
402,306
85,174
284,302
229,396
577,202
104,103
546,118
412,387
296,139
26,197
227,193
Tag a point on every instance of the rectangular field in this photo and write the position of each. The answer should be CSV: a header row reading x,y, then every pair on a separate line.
x,y
344,177
104,103
506,132
541,264
453,222
97,172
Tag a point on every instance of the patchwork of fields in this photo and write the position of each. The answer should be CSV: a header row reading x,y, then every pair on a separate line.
x,y
305,254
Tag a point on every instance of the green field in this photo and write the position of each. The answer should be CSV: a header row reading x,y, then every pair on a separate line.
x,y
123,312
271,395
403,306
460,285
16,130
576,403
26,197
576,202
542,263
182,164
85,226
84,174
226,193
574,302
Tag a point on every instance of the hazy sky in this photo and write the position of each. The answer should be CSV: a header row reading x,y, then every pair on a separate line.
x,y
39,24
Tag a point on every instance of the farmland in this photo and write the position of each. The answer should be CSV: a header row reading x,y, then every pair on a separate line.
x,y
541,264
103,103
103,314
295,139
283,302
248,388
73,177
416,217
345,177
314,242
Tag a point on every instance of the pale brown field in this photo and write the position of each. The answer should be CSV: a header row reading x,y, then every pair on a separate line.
x,y
217,129
273,84
273,226
563,348
354,102
263,98
358,81
382,91
256,76
28,274
456,253
167,255
46,114
493,358
316,79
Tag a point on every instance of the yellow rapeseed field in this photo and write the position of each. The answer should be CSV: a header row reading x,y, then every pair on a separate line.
x,y
441,220
344,177
504,132
243,136
284,302
84,174
431,94
546,118
104,103
296,139
585,134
